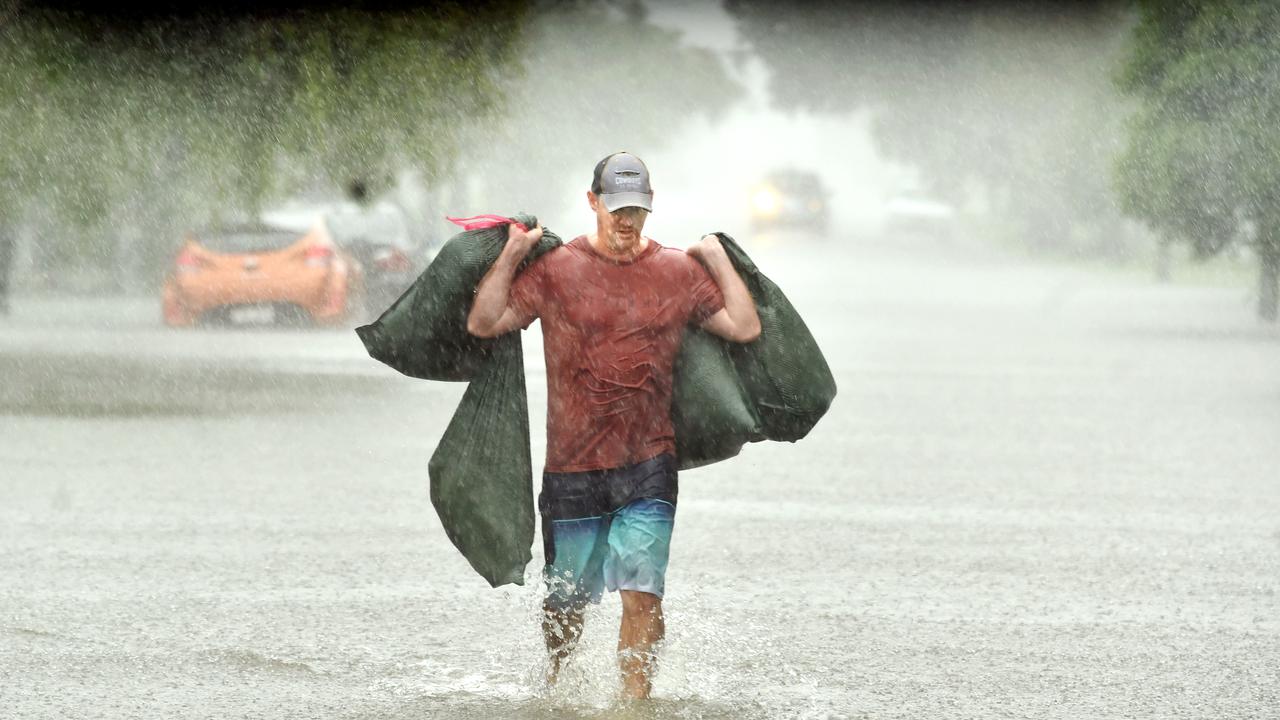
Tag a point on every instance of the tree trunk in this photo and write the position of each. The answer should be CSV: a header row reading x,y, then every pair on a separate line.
x,y
8,242
1164,260
1268,275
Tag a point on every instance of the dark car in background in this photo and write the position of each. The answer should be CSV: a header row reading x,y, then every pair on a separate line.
x,y
790,198
378,238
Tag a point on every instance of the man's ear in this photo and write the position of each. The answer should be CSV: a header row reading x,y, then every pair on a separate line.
x,y
592,200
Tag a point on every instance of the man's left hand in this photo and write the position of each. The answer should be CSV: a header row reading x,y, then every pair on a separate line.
x,y
708,250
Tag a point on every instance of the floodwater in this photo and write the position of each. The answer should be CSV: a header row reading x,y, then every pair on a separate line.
x,y
1042,492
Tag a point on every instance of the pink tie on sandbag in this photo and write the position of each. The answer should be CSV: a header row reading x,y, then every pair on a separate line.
x,y
484,222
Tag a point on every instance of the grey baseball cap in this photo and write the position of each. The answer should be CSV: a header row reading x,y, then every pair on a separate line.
x,y
621,180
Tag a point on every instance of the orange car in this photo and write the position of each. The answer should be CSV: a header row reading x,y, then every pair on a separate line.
x,y
261,274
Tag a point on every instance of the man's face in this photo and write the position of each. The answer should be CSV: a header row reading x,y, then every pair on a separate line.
x,y
621,229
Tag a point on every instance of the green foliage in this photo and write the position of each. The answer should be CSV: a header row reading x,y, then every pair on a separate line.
x,y
183,120
1203,159
119,131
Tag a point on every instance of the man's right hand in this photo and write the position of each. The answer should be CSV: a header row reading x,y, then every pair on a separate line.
x,y
522,241
490,316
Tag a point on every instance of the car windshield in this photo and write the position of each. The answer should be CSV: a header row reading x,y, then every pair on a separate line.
x,y
376,226
247,240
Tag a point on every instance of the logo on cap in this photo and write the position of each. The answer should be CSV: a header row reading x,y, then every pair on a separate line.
x,y
622,180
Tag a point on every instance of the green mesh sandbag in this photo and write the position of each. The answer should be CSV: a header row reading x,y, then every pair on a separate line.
x,y
424,332
481,472
775,388
711,411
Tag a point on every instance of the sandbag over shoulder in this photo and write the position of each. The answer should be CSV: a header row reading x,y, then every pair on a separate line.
x,y
728,394
481,472
424,332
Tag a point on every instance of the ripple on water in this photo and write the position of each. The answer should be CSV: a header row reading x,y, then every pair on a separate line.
x,y
252,661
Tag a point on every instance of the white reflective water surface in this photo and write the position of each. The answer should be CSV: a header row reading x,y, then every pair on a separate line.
x,y
1042,492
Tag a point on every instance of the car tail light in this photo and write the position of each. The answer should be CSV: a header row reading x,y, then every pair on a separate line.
x,y
319,255
391,260
187,262
335,302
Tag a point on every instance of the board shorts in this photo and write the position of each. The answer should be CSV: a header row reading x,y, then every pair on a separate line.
x,y
607,528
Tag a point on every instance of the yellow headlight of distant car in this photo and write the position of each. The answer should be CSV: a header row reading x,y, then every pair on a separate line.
x,y
765,201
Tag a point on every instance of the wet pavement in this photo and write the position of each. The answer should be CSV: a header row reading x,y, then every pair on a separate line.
x,y
1042,492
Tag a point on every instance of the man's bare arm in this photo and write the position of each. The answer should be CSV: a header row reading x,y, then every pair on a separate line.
x,y
490,314
738,321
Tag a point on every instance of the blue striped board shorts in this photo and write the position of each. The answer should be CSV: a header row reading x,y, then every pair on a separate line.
x,y
607,528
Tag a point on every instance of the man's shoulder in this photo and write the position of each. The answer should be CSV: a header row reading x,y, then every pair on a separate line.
x,y
676,258
554,265
554,256
670,254
568,249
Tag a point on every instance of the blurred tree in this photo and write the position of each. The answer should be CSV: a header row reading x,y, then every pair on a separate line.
x,y
1203,158
597,77
149,122
1008,102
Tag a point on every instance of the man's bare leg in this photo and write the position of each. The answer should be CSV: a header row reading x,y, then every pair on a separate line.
x,y
642,628
561,629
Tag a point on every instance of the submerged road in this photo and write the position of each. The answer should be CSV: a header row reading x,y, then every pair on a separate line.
x,y
1042,492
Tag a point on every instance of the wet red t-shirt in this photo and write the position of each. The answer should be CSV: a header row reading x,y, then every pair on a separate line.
x,y
611,331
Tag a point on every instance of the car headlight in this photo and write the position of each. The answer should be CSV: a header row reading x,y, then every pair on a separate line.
x,y
765,201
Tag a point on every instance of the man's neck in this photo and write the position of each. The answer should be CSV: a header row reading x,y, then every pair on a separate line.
x,y
602,248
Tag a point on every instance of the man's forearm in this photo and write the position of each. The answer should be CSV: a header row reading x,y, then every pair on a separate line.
x,y
737,298
493,293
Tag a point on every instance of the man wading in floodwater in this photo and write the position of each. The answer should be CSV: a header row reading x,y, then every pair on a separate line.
x,y
614,306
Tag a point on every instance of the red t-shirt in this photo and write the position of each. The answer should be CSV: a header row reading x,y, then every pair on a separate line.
x,y
611,331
